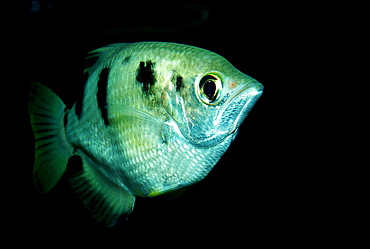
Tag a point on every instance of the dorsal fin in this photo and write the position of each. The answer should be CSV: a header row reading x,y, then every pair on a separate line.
x,y
109,47
104,54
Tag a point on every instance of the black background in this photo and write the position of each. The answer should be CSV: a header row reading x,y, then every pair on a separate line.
x,y
272,185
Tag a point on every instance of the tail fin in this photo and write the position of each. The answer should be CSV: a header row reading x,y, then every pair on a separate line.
x,y
52,149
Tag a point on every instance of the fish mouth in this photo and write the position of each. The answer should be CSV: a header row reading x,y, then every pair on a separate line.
x,y
240,102
252,95
229,115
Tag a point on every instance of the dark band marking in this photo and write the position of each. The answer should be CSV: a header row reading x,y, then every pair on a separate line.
x,y
102,94
146,75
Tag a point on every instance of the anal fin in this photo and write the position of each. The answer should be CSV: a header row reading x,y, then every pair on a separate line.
x,y
106,200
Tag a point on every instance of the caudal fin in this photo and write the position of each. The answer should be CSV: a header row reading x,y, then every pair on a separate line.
x,y
52,149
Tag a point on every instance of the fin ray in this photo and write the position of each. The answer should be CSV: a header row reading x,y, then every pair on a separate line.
x,y
106,200
122,109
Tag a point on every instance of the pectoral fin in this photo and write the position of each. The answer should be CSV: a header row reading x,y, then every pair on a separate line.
x,y
106,200
128,111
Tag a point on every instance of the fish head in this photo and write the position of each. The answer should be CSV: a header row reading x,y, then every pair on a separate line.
x,y
218,98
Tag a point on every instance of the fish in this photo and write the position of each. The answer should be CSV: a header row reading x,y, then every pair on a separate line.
x,y
155,118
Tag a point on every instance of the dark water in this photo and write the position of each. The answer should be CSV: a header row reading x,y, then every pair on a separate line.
x,y
265,188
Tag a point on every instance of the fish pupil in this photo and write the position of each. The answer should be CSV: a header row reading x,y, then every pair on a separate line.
x,y
209,89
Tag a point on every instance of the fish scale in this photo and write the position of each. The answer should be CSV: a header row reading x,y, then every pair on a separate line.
x,y
155,117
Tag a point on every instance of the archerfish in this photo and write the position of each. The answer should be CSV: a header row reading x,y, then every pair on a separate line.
x,y
155,117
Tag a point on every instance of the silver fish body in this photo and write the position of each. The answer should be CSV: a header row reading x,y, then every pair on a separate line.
x,y
155,117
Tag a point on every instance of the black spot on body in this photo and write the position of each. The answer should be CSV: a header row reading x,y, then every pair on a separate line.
x,y
102,94
179,83
127,59
146,75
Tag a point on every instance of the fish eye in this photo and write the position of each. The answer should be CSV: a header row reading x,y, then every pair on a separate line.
x,y
210,87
